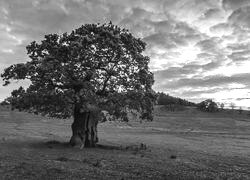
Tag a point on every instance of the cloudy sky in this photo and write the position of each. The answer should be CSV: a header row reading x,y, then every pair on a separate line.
x,y
199,49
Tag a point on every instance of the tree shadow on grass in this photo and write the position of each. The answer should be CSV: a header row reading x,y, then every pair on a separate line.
x,y
132,148
60,145
55,144
51,144
108,147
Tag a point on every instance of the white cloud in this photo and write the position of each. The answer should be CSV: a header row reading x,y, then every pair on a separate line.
x,y
190,42
234,4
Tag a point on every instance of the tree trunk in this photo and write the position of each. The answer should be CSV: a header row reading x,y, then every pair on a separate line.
x,y
84,129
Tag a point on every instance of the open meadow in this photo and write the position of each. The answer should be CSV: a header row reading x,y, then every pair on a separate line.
x,y
186,144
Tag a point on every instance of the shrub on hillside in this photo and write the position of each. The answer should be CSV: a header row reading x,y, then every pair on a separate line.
x,y
172,102
208,105
4,103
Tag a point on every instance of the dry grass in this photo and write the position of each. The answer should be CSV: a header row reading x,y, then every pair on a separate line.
x,y
177,145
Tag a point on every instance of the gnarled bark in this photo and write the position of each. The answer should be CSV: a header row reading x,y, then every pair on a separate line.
x,y
84,129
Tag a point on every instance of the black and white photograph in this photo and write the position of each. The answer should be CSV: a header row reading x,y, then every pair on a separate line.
x,y
124,89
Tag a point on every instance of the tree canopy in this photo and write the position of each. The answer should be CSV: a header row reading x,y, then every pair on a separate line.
x,y
165,99
208,105
94,67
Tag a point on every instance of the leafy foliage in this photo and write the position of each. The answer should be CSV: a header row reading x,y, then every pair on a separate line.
x,y
95,67
240,110
172,103
165,99
208,105
222,105
232,105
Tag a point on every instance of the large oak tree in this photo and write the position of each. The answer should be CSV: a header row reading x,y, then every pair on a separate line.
x,y
94,68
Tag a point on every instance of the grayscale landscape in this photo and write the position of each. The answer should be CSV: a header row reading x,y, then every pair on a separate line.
x,y
124,89
186,144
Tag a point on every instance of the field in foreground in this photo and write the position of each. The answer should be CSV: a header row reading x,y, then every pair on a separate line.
x,y
179,145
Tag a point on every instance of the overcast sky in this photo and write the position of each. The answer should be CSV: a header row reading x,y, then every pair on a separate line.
x,y
199,49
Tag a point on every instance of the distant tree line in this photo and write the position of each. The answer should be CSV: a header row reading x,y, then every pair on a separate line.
x,y
172,103
4,103
208,105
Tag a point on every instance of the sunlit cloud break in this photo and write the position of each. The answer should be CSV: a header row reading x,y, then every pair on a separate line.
x,y
198,49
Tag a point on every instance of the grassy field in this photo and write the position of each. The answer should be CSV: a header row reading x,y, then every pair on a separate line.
x,y
186,144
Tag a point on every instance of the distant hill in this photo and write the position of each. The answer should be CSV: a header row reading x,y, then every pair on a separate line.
x,y
172,103
166,99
